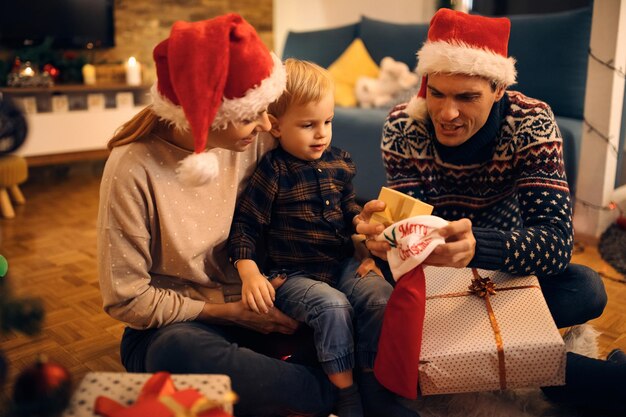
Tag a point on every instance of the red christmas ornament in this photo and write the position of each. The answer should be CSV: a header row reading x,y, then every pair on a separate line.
x,y
44,389
52,70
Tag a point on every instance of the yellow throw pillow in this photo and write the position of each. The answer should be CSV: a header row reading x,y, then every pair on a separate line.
x,y
355,62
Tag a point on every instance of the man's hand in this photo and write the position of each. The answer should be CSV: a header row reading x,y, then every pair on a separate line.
x,y
363,226
238,314
459,248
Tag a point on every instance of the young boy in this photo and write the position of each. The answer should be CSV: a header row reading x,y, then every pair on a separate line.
x,y
300,201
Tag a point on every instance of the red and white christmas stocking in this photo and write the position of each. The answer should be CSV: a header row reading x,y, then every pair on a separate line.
x,y
397,361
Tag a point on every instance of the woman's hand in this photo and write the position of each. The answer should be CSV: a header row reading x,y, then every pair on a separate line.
x,y
275,321
459,248
362,226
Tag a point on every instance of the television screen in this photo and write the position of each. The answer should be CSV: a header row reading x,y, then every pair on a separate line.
x,y
72,24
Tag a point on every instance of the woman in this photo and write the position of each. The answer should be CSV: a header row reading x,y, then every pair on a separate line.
x,y
163,225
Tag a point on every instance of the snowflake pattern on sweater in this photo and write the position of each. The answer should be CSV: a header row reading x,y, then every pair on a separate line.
x,y
518,200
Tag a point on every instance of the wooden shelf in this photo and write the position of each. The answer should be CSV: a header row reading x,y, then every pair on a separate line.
x,y
79,133
74,88
68,157
63,137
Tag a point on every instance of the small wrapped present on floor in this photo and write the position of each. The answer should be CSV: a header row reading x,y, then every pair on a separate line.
x,y
486,330
112,394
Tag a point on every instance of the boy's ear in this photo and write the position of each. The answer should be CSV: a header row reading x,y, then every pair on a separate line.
x,y
275,130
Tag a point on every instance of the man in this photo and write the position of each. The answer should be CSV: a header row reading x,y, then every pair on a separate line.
x,y
490,161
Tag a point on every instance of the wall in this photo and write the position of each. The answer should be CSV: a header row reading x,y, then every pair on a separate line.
x,y
141,24
298,15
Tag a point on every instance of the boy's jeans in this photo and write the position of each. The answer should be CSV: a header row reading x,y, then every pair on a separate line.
x,y
346,319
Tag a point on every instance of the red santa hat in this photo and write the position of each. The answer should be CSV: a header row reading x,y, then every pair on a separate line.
x,y
210,73
460,43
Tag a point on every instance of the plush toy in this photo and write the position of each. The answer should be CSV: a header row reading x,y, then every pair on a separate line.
x,y
393,82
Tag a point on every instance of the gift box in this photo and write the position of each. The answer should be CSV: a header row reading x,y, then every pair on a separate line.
x,y
125,388
399,206
498,334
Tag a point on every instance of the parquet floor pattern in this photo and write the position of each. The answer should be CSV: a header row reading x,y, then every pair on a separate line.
x,y
51,249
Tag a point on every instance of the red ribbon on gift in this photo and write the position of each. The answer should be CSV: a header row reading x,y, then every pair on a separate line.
x,y
160,398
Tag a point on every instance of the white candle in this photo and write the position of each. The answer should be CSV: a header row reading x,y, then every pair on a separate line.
x,y
133,72
27,70
89,74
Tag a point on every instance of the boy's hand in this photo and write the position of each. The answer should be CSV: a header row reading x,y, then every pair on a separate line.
x,y
257,293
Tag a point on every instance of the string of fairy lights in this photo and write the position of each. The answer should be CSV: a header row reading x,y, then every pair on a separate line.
x,y
610,64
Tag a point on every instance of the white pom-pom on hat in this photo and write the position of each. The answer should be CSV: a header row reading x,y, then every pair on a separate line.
x,y
198,169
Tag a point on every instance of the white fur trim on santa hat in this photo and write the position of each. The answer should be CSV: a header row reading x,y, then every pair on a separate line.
x,y
254,101
462,58
411,240
198,169
416,108
168,111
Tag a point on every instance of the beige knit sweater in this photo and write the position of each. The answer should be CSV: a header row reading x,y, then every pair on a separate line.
x,y
162,246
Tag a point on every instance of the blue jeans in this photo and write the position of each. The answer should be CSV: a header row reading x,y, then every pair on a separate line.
x,y
265,385
346,319
574,296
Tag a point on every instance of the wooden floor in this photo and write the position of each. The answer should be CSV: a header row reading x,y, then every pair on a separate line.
x,y
51,250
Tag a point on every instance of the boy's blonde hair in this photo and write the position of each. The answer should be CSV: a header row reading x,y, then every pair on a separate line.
x,y
306,83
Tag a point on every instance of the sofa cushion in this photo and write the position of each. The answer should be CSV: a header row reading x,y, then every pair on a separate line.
x,y
399,41
354,63
320,46
551,52
359,132
571,132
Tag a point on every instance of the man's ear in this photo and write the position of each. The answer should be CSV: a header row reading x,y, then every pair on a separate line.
x,y
500,90
275,130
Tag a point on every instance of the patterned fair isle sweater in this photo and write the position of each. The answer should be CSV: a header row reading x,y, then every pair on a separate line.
x,y
508,179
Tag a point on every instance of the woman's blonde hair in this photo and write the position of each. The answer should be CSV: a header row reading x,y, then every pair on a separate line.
x,y
306,83
138,126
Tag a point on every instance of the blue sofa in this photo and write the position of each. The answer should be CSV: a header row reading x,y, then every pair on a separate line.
x,y
551,53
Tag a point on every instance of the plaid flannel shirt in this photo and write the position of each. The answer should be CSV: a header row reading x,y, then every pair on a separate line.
x,y
303,211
